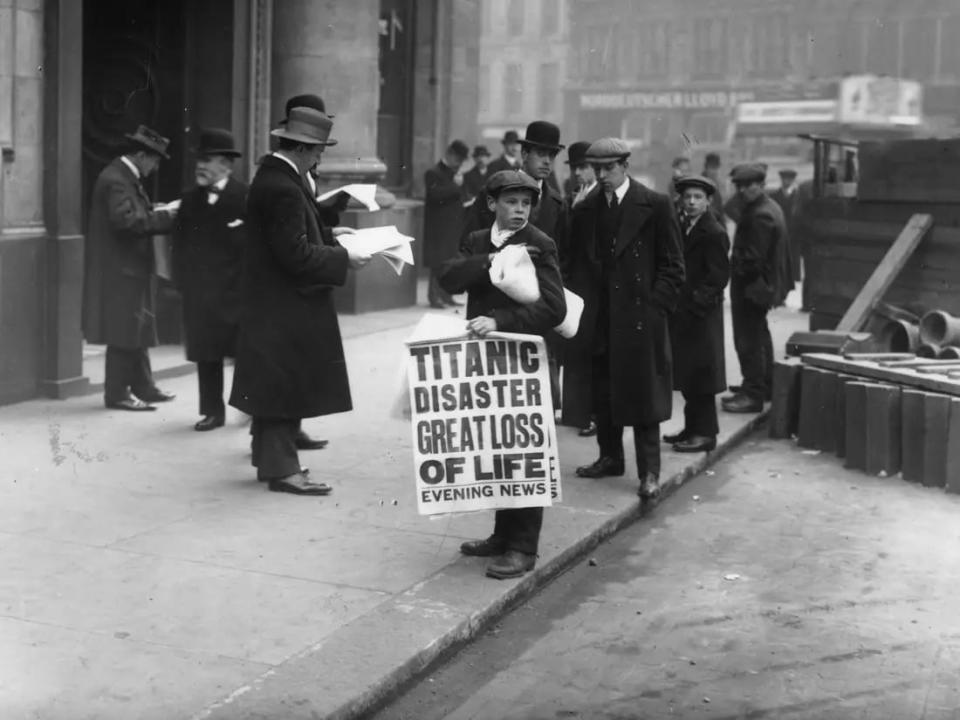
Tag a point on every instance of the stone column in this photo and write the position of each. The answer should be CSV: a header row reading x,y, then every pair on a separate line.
x,y
331,48
62,374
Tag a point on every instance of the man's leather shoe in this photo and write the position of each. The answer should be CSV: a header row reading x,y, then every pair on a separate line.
x,y
603,467
490,547
209,422
131,403
696,444
299,484
649,487
305,442
735,390
742,404
303,471
512,564
156,396
589,431
676,437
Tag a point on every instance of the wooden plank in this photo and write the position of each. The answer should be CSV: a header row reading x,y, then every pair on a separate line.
x,y
912,419
827,404
886,272
936,427
914,363
953,447
875,371
879,356
808,432
840,413
883,430
855,426
785,408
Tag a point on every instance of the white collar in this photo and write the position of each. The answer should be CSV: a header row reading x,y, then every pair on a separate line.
x,y
621,191
511,161
498,237
129,163
587,189
222,182
288,161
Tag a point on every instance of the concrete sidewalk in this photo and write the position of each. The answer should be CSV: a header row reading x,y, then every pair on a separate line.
x,y
144,573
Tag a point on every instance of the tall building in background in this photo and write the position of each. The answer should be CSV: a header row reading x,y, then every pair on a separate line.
x,y
669,74
523,64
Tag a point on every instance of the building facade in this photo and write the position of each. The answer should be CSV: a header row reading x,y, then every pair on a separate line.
x,y
669,74
75,75
522,64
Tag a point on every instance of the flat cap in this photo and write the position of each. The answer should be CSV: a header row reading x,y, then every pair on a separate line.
x,y
748,173
511,180
788,173
607,150
697,181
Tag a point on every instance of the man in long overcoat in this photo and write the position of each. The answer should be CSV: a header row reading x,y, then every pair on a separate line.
x,y
759,281
443,217
290,363
476,177
119,264
786,197
696,328
628,269
208,249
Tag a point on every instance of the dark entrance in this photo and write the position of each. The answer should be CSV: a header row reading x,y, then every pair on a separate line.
x,y
163,63
394,117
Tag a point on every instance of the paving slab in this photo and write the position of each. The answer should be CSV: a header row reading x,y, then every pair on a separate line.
x,y
145,573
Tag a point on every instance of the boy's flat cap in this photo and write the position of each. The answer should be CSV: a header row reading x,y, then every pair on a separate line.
x,y
607,150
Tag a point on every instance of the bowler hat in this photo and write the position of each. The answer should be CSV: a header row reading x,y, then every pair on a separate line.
x,y
307,100
697,181
748,173
217,141
510,136
511,180
306,125
480,151
542,134
150,140
608,150
577,153
459,148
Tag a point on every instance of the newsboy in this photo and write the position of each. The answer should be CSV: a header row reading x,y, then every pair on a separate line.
x,y
119,264
627,265
290,363
208,246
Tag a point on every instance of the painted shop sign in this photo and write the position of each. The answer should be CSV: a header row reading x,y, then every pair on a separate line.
x,y
666,100
483,425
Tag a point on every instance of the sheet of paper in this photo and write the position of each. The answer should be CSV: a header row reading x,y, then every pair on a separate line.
x,y
438,326
362,192
172,205
386,241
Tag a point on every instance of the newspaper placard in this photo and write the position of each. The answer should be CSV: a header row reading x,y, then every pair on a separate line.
x,y
482,422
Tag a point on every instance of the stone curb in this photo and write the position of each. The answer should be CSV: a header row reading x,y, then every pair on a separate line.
x,y
389,686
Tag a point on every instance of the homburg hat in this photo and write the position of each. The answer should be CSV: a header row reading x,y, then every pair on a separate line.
x,y
150,140
542,134
308,126
307,100
697,181
608,150
217,141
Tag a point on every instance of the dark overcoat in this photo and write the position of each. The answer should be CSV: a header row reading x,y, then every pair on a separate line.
x,y
208,245
118,294
470,272
760,260
290,361
442,215
641,289
696,327
473,182
788,204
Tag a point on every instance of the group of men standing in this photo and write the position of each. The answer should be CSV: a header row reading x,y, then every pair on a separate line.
x,y
256,268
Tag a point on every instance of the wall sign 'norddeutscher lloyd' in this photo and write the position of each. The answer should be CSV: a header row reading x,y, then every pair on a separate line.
x,y
665,100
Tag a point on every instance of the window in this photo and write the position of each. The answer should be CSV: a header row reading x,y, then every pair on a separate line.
x,y
550,14
484,83
596,52
651,49
515,18
708,128
919,48
549,89
770,46
512,90
709,47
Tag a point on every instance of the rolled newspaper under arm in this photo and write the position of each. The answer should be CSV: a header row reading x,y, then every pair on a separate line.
x,y
571,321
512,272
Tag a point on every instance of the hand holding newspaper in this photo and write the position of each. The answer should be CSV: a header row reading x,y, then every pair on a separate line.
x,y
363,192
386,241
